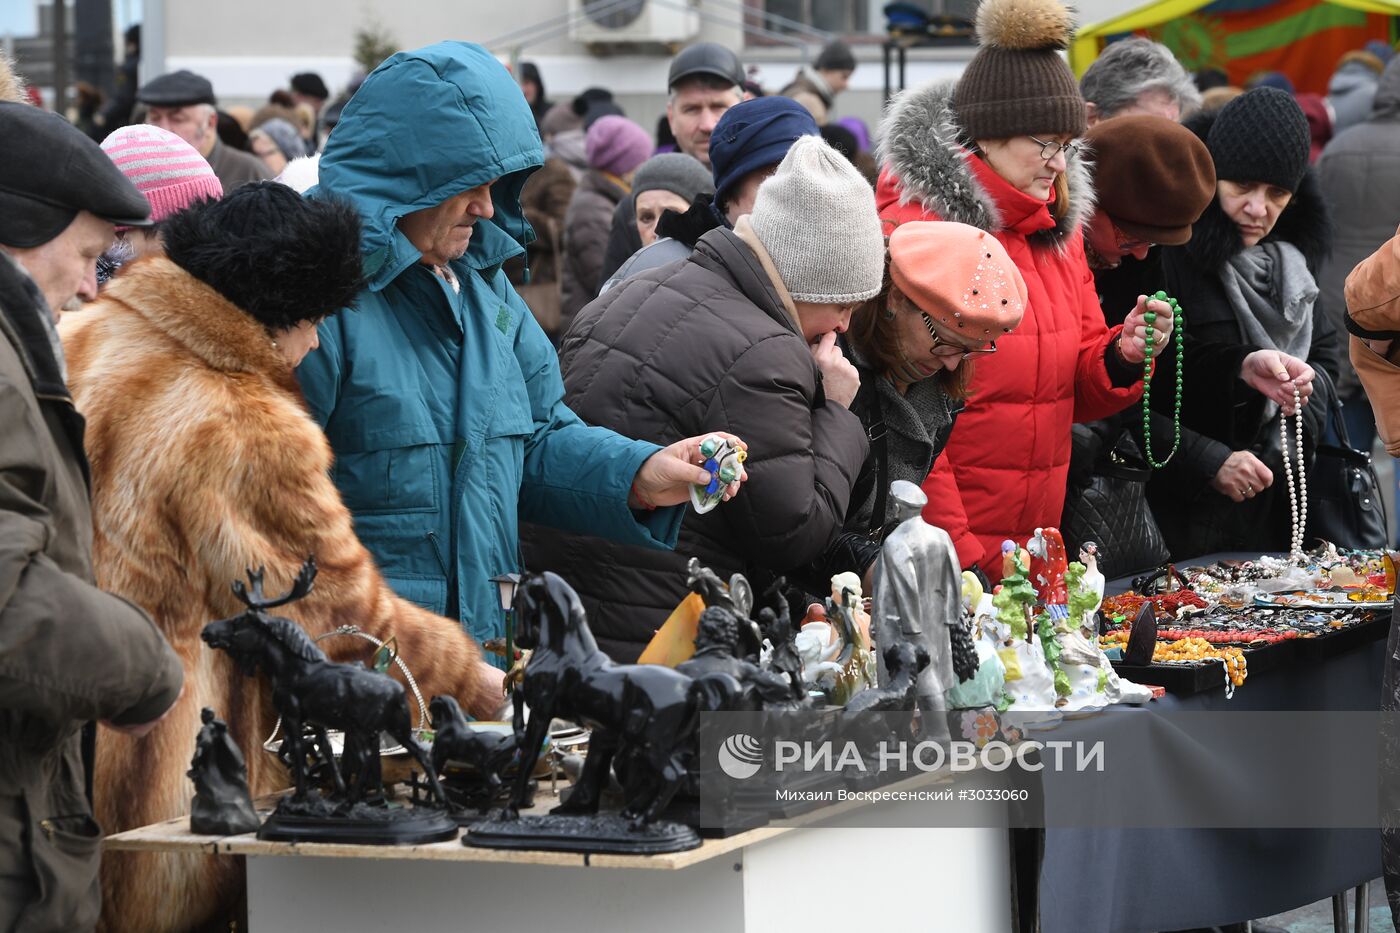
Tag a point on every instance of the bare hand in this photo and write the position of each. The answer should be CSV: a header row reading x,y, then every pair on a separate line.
x,y
1133,342
1274,374
667,475
492,677
840,379
1242,476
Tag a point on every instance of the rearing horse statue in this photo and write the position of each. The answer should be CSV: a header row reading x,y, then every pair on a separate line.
x,y
307,687
643,714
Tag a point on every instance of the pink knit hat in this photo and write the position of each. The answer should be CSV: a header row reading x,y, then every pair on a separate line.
x,y
167,170
617,145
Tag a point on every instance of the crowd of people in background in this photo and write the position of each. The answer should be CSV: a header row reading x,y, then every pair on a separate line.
x,y
548,321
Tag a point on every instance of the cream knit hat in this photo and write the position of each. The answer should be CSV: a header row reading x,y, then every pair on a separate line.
x,y
816,217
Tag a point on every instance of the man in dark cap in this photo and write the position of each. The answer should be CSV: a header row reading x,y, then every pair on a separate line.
x,y
705,80
817,85
69,653
309,89
183,103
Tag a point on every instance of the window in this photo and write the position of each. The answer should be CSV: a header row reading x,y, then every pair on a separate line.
x,y
842,17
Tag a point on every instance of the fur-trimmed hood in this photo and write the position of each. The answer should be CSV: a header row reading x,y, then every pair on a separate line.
x,y
1305,223
923,146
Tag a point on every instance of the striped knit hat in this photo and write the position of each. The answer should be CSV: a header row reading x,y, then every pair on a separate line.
x,y
167,170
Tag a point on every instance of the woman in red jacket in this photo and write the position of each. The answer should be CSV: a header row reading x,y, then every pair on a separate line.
x,y
996,150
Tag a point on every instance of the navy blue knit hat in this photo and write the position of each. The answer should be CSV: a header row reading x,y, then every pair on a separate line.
x,y
754,134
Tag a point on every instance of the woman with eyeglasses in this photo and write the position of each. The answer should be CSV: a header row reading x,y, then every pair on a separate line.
x,y
1246,279
997,150
915,366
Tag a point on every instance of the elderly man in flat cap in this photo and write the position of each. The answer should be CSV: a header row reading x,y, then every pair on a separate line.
x,y
69,653
183,103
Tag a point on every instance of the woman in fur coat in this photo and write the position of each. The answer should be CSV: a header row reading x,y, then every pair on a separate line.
x,y
1246,279
206,463
996,151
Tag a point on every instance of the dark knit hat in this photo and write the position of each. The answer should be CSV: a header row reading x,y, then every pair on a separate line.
x,y
1262,135
754,134
682,175
276,256
1018,83
1153,177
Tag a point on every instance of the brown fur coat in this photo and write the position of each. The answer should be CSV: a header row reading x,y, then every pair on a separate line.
x,y
204,463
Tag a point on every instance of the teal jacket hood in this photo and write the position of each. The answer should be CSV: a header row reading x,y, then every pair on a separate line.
x,y
388,165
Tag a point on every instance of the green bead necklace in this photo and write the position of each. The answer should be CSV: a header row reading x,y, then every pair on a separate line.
x,y
1178,322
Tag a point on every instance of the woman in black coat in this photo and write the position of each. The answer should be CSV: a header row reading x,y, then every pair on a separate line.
x,y
1245,280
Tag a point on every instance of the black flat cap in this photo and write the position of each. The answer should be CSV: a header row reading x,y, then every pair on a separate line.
x,y
706,58
177,89
310,84
53,171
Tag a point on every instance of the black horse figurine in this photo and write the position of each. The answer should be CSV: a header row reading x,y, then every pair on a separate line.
x,y
307,687
489,753
644,714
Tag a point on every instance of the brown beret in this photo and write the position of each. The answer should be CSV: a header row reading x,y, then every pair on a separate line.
x,y
1153,176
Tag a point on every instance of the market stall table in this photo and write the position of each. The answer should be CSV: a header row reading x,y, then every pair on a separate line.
x,y
772,878
1128,880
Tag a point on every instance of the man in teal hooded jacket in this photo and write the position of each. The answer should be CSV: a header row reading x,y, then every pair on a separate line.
x,y
439,393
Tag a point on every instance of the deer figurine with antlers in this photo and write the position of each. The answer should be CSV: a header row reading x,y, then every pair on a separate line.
x,y
308,688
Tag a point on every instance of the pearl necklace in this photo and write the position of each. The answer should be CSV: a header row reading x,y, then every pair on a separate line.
x,y
1297,496
1179,326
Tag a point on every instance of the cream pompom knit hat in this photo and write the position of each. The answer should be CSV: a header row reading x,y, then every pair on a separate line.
x,y
817,218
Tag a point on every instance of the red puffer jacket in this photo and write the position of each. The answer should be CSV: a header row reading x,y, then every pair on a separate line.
x,y
1004,470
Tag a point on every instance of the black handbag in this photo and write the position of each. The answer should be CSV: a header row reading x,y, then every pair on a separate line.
x,y
1107,504
1344,496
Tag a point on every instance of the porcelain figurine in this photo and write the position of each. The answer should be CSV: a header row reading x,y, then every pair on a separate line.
x,y
722,461
1049,561
858,667
918,598
222,805
1093,683
1028,679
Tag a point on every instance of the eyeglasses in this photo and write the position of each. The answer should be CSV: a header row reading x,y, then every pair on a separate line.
x,y
1048,150
952,351
947,350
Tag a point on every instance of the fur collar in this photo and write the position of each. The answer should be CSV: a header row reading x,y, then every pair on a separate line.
x,y
922,145
197,317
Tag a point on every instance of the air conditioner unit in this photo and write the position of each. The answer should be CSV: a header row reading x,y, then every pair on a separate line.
x,y
673,21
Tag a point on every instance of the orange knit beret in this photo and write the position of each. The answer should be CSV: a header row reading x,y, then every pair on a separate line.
x,y
959,276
